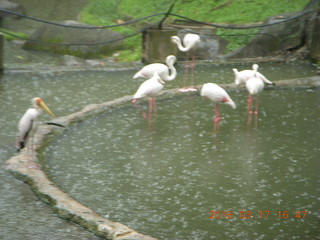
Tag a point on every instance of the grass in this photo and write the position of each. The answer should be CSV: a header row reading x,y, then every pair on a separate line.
x,y
109,12
11,34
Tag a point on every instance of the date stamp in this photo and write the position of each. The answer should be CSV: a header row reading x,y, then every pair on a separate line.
x,y
265,214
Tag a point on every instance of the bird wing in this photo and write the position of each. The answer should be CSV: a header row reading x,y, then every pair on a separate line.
x,y
25,126
148,70
254,85
191,40
150,87
263,78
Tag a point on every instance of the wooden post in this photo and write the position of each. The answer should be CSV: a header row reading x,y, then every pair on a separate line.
x,y
157,45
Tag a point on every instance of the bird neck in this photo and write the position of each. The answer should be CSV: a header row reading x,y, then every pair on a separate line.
x,y
173,71
160,80
180,46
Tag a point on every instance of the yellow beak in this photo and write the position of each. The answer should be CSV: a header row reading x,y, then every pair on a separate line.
x,y
45,107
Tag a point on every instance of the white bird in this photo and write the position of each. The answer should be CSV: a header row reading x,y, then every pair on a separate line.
x,y
244,75
29,122
167,72
254,86
217,95
149,88
190,42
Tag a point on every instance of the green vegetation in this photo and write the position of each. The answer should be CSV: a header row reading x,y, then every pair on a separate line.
x,y
11,37
109,12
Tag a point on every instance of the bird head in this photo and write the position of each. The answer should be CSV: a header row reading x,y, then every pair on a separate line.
x,y
229,102
158,78
255,67
39,103
175,39
171,59
236,76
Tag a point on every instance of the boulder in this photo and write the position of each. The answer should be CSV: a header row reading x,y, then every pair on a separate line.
x,y
61,37
13,7
313,36
313,32
298,38
275,39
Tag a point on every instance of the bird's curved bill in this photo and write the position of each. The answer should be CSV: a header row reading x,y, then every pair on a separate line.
x,y
46,108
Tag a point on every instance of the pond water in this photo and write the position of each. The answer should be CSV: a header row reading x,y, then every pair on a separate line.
x,y
164,179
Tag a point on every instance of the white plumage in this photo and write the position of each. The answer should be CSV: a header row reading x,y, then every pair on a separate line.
x,y
150,87
244,75
254,85
167,72
190,41
216,94
29,122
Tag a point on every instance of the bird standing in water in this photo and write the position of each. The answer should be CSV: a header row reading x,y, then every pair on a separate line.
x,y
166,72
244,75
28,124
217,95
254,86
149,88
190,42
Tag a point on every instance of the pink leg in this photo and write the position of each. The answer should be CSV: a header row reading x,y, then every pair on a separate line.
x,y
154,105
185,79
249,110
256,113
192,71
144,115
256,106
217,118
150,107
249,104
186,75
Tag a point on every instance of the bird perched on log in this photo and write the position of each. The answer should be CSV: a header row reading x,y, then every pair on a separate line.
x,y
29,122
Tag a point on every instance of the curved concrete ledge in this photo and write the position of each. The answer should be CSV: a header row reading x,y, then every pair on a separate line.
x,y
68,208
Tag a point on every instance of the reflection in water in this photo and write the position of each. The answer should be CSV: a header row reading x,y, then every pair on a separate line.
x,y
170,178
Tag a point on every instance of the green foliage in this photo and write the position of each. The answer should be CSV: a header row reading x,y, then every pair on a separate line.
x,y
237,38
10,37
108,12
100,12
237,11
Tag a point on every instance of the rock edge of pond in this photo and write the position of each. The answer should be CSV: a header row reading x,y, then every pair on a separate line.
x,y
67,207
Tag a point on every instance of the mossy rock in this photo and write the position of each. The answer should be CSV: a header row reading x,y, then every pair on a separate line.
x,y
60,37
275,39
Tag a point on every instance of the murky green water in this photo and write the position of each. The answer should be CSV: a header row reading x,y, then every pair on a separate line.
x,y
163,180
